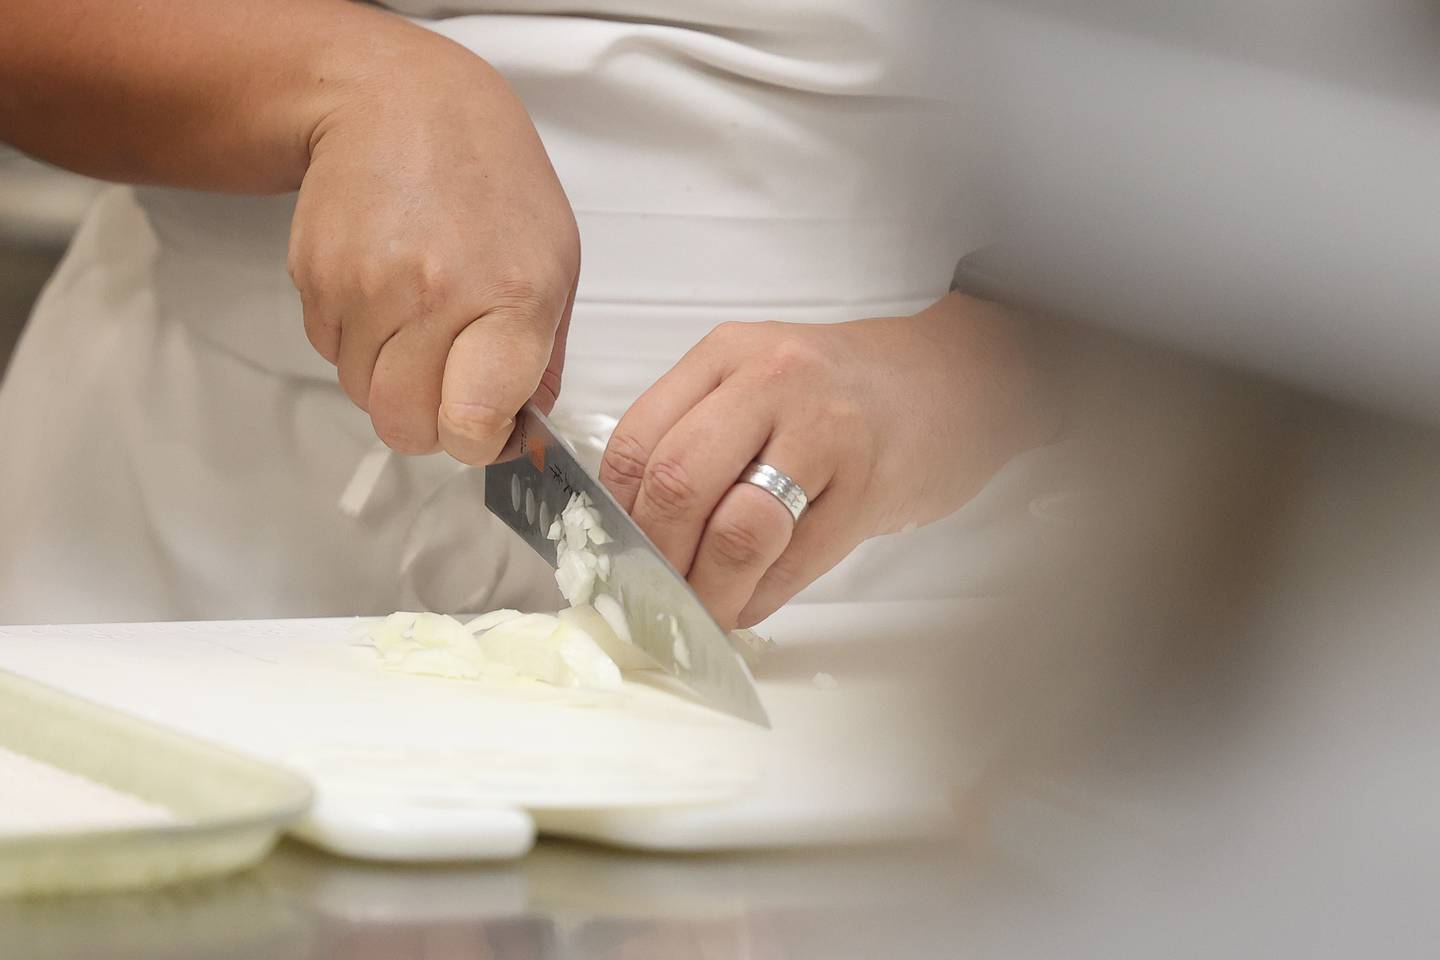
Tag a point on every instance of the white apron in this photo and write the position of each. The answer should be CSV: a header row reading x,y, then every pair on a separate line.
x,y
174,448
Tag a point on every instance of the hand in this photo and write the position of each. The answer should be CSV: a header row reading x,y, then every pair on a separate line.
x,y
434,250
883,422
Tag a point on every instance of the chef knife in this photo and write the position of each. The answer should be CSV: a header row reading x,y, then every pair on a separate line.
x,y
665,617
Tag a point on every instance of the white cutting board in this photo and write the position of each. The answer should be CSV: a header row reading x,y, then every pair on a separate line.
x,y
416,768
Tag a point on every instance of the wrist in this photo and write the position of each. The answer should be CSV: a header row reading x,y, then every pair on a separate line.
x,y
987,389
381,71
999,350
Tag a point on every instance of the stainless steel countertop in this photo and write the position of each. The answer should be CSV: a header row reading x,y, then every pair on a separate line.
x,y
561,901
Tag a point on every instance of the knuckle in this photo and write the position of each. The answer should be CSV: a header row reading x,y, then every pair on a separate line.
x,y
518,293
422,279
371,279
295,268
301,254
727,332
433,281
794,356
736,543
669,492
623,462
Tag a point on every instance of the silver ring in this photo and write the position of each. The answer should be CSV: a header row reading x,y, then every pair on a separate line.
x,y
778,485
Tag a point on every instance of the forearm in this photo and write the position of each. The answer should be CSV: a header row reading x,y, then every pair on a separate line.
x,y
225,95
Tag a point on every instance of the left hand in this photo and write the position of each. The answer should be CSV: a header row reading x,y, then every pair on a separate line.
x,y
883,422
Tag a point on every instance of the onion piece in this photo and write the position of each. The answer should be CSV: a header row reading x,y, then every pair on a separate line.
x,y
437,630
753,646
614,615
619,649
577,566
575,578
492,619
536,646
548,649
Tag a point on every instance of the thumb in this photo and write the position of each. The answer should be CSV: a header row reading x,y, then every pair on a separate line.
x,y
548,392
495,365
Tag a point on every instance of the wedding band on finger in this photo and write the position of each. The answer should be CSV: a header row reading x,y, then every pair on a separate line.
x,y
778,485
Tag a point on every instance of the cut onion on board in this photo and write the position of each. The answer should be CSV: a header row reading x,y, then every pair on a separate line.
x,y
585,645
500,645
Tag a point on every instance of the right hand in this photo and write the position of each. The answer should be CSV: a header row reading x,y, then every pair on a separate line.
x,y
434,249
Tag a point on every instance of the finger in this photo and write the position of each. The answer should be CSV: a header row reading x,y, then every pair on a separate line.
x,y
622,467
364,328
548,392
751,529
748,532
494,366
825,535
405,387
696,463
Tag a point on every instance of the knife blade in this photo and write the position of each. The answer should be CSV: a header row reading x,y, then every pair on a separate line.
x,y
529,490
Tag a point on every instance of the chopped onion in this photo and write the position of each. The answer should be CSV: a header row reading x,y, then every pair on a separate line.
x,y
585,645
752,645
575,537
576,578
537,646
437,630
549,649
577,566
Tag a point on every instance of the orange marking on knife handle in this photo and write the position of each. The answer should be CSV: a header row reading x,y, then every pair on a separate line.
x,y
536,448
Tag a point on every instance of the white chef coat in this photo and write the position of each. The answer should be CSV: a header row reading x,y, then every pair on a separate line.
x,y
174,448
